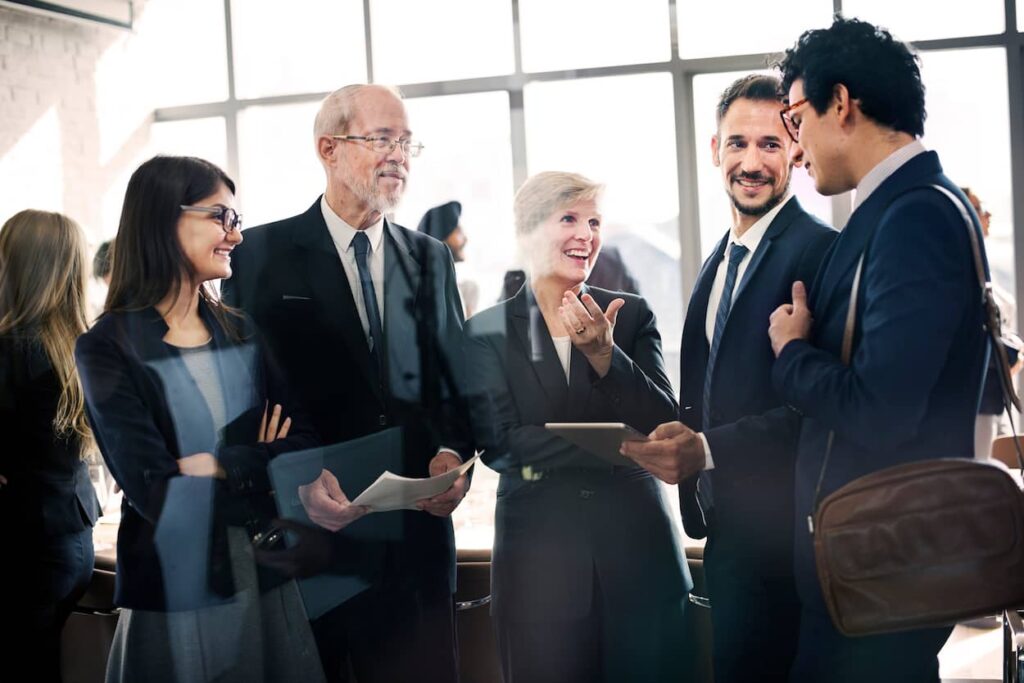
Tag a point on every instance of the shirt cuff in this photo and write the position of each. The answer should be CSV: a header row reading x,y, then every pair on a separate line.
x,y
445,449
709,464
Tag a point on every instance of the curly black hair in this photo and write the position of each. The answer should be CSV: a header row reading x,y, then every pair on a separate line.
x,y
882,73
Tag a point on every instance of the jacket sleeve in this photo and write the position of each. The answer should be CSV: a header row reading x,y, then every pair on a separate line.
x,y
638,387
131,443
915,291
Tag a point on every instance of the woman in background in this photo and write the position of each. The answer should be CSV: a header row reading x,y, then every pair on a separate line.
x,y
47,502
176,388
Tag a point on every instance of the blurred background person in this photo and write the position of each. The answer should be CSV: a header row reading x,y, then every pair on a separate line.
x,y
442,223
177,391
47,503
992,420
589,580
101,261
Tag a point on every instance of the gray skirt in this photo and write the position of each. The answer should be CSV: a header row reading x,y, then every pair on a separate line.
x,y
252,638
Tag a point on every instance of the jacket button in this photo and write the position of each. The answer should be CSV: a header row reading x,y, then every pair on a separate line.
x,y
383,419
586,494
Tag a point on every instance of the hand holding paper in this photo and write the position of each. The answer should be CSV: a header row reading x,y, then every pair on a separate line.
x,y
327,505
445,504
392,492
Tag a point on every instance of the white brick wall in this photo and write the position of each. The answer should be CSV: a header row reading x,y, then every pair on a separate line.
x,y
49,129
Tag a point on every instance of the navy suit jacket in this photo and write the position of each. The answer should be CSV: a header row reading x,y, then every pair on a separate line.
x,y
288,276
752,434
147,412
912,389
582,515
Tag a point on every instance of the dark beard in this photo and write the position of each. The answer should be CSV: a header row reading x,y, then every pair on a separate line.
x,y
770,203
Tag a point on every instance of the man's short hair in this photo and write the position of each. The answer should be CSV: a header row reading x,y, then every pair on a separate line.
x,y
338,109
757,87
880,72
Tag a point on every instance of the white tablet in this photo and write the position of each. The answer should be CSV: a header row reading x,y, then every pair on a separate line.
x,y
602,439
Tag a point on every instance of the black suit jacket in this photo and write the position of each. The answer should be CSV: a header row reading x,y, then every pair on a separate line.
x,y
582,514
288,276
48,492
147,412
752,435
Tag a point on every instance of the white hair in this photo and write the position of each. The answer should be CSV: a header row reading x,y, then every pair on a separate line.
x,y
338,108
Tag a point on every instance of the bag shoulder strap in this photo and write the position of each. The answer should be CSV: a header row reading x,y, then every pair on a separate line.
x,y
992,325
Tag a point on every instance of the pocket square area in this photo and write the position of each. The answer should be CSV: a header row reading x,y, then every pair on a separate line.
x,y
293,297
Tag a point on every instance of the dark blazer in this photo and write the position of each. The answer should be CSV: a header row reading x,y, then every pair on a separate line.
x,y
752,434
582,515
289,278
48,492
147,412
919,352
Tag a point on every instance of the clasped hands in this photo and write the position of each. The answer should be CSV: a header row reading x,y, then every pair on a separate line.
x,y
672,453
591,329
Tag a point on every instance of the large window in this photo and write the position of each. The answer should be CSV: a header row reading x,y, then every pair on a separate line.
x,y
575,34
591,87
944,20
311,47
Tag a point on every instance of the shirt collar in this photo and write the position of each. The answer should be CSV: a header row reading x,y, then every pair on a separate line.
x,y
342,233
755,233
885,168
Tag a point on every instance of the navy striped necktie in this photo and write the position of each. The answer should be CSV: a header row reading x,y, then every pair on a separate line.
x,y
736,253
361,244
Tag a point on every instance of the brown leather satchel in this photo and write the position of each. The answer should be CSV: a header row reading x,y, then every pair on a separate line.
x,y
926,543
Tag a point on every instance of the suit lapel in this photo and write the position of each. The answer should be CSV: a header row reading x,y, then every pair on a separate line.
x,y
538,349
782,220
579,373
331,291
401,290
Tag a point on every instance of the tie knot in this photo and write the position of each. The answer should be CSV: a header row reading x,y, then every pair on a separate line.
x,y
361,243
736,252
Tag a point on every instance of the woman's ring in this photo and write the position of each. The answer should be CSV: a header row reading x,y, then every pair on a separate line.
x,y
581,330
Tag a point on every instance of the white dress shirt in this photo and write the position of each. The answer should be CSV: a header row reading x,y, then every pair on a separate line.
x,y
749,239
342,234
563,347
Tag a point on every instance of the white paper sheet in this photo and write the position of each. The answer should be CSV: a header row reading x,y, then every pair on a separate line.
x,y
392,492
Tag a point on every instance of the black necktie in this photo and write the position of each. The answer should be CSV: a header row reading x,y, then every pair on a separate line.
x,y
361,244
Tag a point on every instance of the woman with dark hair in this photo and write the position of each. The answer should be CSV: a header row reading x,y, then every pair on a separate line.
x,y
177,391
47,503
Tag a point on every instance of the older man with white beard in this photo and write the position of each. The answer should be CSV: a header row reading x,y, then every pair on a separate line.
x,y
333,291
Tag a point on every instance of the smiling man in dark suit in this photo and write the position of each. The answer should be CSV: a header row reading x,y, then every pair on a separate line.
x,y
363,314
912,387
734,449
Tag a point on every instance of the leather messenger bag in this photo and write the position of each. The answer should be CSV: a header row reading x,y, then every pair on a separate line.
x,y
926,543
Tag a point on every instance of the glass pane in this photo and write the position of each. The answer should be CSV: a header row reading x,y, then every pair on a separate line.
x,y
32,169
416,42
985,168
204,138
616,33
458,131
270,140
751,27
636,159
920,20
1020,15
715,209
318,46
184,51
